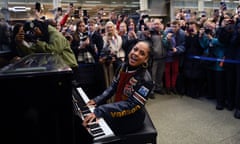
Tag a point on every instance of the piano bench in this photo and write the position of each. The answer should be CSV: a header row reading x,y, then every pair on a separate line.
x,y
147,135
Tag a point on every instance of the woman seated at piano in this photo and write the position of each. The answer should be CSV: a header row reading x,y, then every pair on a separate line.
x,y
132,85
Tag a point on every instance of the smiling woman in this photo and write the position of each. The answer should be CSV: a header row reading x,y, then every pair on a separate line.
x,y
131,86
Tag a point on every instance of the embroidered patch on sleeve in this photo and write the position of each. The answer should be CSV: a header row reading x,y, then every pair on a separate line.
x,y
143,91
133,81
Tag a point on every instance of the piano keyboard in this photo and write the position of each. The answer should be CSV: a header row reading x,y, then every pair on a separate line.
x,y
98,129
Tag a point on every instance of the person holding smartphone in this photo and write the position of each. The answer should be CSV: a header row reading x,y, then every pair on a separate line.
x,y
131,30
38,11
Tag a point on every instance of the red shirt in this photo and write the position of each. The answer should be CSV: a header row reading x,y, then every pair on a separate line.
x,y
123,82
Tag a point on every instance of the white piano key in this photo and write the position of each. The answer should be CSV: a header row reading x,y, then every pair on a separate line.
x,y
106,130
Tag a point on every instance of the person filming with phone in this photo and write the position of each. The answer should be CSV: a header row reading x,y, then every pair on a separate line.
x,y
40,37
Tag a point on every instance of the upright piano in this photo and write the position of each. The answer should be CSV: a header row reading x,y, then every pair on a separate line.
x,y
36,101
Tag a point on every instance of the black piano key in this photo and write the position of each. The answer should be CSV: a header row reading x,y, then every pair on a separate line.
x,y
94,126
84,107
95,131
81,105
99,134
85,111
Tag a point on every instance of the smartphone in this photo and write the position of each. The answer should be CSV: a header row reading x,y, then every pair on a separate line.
x,y
223,5
71,4
85,13
103,31
38,6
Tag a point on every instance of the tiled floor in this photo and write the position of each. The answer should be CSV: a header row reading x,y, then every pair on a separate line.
x,y
184,120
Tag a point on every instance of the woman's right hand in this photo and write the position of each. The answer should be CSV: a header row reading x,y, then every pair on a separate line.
x,y
91,103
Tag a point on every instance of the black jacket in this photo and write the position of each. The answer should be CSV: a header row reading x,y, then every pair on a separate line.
x,y
137,90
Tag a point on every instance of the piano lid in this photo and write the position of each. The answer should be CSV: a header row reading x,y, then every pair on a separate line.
x,y
37,63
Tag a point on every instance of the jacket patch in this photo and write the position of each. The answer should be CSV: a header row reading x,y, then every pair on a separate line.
x,y
139,98
133,81
143,91
128,89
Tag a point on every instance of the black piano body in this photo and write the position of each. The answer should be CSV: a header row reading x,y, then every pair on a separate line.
x,y
36,102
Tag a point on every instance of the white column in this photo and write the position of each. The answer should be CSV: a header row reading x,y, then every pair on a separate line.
x,y
4,9
200,5
56,3
5,4
143,5
172,14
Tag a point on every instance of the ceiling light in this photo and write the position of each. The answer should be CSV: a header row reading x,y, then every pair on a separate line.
x,y
93,2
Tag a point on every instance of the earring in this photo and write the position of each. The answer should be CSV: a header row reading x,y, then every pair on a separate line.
x,y
145,65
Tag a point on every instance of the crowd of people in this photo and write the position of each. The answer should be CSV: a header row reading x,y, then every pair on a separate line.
x,y
209,59
193,56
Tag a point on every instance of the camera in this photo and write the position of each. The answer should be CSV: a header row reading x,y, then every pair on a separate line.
x,y
107,55
208,31
83,38
29,36
189,30
29,31
130,29
103,31
68,37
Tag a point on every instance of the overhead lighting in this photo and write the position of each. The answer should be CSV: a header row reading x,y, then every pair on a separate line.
x,y
93,2
108,9
19,9
133,6
73,1
135,2
87,8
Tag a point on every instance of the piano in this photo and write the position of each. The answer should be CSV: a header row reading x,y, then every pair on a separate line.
x,y
102,133
99,129
36,101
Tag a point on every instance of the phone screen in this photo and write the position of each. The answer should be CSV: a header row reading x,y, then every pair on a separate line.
x,y
38,6
223,5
